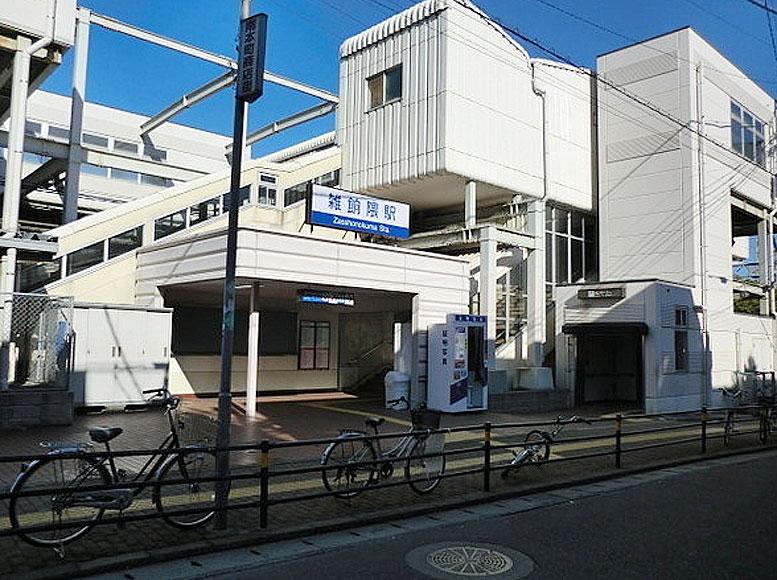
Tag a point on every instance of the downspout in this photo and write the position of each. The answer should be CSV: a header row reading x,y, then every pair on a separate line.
x,y
49,37
541,94
706,383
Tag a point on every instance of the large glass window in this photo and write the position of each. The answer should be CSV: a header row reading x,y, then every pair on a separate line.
x,y
748,134
570,247
313,345
170,224
297,192
155,180
94,170
204,211
34,275
85,258
385,87
510,302
125,242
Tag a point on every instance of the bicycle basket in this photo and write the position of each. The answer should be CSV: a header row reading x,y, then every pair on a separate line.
x,y
424,418
195,428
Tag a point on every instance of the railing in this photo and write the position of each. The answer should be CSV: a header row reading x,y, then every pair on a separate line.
x,y
610,432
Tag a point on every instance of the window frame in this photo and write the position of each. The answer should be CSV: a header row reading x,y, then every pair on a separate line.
x,y
317,326
383,76
71,271
747,135
158,221
138,230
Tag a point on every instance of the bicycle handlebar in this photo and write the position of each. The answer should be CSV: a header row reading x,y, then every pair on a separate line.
x,y
395,402
161,391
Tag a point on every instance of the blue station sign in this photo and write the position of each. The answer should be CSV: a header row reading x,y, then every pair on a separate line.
x,y
346,210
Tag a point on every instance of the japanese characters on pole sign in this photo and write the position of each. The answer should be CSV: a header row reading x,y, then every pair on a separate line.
x,y
250,65
346,210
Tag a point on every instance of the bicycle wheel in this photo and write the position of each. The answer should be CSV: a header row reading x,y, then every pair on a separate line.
x,y
423,473
341,473
187,468
541,443
67,474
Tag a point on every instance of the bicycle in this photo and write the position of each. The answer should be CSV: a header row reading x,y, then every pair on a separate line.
x,y
729,424
356,460
536,447
68,471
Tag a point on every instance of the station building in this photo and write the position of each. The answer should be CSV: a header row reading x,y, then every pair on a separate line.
x,y
599,221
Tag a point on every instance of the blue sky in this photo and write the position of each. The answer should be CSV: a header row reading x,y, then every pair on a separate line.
x,y
304,36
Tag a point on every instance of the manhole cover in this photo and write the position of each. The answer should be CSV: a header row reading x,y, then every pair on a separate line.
x,y
470,560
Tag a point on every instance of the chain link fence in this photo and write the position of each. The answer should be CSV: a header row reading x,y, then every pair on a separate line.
x,y
37,337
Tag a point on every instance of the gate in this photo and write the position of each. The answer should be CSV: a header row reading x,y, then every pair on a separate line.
x,y
37,335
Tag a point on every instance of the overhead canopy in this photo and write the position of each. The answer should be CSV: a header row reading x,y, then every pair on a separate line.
x,y
606,328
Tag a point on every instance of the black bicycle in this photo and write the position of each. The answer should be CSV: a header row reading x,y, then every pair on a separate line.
x,y
69,471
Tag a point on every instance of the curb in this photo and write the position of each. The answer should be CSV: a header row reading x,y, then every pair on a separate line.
x,y
129,560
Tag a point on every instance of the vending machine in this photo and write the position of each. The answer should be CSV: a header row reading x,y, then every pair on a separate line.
x,y
457,378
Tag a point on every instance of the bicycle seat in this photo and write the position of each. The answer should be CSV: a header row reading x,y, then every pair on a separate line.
x,y
375,422
104,434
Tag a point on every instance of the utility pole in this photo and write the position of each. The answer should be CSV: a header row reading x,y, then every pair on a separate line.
x,y
248,88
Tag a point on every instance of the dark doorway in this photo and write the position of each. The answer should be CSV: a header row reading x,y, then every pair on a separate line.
x,y
609,368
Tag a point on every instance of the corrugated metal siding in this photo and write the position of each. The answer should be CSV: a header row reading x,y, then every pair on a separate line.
x,y
400,140
643,69
643,146
626,312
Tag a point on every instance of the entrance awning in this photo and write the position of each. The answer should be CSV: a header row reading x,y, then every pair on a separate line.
x,y
606,328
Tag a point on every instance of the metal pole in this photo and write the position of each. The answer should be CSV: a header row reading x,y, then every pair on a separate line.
x,y
228,319
12,193
264,480
704,419
618,439
487,456
78,97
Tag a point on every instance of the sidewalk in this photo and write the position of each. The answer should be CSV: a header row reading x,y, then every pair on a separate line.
x,y
290,421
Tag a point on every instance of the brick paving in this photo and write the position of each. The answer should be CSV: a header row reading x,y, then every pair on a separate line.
x,y
296,421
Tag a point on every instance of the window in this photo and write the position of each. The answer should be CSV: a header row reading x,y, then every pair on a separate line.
x,y
59,133
85,258
313,345
124,175
96,140
155,180
385,87
748,134
170,224
268,192
294,194
94,170
204,211
680,350
570,247
681,340
242,198
125,242
33,128
34,275
125,146
510,302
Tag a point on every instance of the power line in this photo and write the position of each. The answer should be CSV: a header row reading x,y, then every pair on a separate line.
x,y
557,55
634,39
771,31
763,6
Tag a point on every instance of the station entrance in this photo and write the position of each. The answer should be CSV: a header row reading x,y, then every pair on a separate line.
x,y
609,365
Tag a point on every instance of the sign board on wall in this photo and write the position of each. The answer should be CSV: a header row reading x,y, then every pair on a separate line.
x,y
617,293
346,210
329,298
250,68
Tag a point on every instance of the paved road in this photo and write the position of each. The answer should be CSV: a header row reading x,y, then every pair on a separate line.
x,y
712,520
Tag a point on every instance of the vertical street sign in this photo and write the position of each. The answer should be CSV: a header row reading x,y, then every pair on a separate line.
x,y
249,85
250,67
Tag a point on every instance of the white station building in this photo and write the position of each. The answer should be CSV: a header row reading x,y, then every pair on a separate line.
x,y
596,221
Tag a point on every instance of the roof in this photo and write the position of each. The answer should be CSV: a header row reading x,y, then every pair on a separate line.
x,y
414,14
